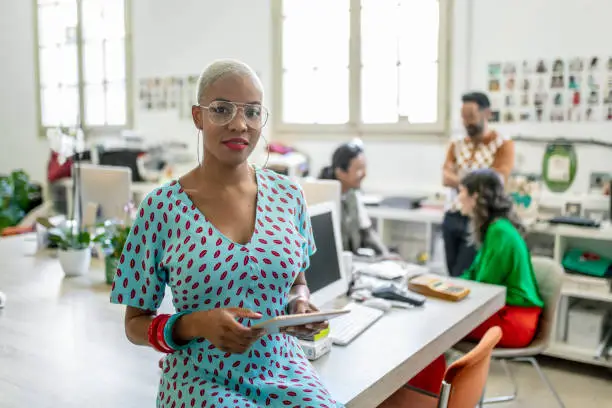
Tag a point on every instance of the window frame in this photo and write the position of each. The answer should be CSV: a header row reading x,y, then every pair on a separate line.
x,y
87,130
354,126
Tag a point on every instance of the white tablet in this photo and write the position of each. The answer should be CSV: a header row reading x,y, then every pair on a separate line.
x,y
273,325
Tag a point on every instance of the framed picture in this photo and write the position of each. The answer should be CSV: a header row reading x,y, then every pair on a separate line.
x,y
573,209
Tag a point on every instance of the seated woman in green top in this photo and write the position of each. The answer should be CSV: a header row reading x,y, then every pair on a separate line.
x,y
502,259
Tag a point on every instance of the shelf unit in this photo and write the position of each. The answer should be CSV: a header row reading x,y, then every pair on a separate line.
x,y
543,239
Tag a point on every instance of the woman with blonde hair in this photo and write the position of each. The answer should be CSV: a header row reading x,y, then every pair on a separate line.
x,y
232,242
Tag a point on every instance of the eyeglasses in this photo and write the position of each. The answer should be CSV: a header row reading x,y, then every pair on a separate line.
x,y
221,113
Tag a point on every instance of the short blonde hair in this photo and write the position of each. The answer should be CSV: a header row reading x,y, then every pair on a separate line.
x,y
220,68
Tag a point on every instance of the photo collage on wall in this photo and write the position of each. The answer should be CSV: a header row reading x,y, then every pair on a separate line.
x,y
573,90
168,94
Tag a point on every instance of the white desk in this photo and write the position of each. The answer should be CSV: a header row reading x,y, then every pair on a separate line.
x,y
63,344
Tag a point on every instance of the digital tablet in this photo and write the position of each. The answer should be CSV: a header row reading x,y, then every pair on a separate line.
x,y
273,325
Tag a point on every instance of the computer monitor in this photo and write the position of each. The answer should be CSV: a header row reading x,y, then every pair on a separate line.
x,y
321,191
110,187
325,275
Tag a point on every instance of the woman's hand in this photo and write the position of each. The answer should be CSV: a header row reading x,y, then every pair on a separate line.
x,y
219,326
302,305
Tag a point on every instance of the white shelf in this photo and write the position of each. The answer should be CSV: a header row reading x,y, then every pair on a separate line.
x,y
565,351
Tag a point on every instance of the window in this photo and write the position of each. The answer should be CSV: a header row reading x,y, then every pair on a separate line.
x,y
365,65
82,63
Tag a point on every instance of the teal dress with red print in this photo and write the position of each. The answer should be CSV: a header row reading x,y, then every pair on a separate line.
x,y
172,244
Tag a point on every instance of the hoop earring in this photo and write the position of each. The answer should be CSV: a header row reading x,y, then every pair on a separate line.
x,y
267,151
198,152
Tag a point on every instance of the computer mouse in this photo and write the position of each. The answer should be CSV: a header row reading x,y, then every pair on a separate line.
x,y
378,303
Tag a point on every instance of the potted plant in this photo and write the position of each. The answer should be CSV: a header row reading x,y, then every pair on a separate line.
x,y
74,249
112,243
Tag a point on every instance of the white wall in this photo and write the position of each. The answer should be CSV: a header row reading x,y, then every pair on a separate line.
x,y
169,39
20,146
527,29
485,31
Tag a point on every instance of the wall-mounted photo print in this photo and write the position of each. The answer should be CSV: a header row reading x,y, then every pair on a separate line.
x,y
573,114
608,98
526,85
593,83
541,67
494,116
509,100
576,98
510,82
525,99
495,69
539,114
539,99
557,67
557,81
556,115
494,85
541,84
574,82
593,63
528,67
525,116
509,117
558,99
576,65
593,98
609,113
589,114
509,68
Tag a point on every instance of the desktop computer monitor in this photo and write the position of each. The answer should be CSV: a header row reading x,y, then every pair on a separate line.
x,y
321,191
110,187
325,275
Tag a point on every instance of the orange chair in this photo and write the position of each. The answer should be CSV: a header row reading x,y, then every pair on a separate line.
x,y
463,384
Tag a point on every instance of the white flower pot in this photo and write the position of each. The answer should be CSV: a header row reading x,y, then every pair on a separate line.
x,y
75,262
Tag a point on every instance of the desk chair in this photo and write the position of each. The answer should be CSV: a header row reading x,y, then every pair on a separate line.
x,y
463,383
549,275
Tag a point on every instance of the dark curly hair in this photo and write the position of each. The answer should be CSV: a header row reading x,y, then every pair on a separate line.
x,y
492,202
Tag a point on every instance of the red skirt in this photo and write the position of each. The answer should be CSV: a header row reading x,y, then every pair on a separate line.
x,y
518,325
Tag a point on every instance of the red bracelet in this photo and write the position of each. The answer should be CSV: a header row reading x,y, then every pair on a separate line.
x,y
153,333
161,341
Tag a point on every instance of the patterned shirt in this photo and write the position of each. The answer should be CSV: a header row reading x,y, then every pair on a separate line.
x,y
463,155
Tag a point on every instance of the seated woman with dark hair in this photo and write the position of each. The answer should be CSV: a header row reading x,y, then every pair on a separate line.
x,y
502,259
348,166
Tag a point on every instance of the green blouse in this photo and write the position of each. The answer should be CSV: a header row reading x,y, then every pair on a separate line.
x,y
504,259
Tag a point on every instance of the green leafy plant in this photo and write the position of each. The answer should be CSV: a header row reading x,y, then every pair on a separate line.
x,y
16,196
66,238
113,239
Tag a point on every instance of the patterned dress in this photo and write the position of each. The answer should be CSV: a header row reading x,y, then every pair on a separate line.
x,y
172,243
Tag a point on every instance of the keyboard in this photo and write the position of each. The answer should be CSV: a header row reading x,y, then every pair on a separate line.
x,y
575,221
346,328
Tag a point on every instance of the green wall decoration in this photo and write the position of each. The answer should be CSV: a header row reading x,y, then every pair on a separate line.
x,y
559,165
